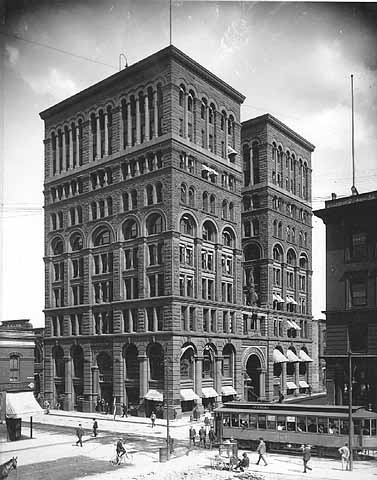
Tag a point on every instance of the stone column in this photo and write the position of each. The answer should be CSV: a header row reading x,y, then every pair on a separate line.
x,y
71,137
121,127
218,375
137,120
143,372
185,116
68,400
64,140
77,146
91,137
146,117
283,386
98,137
297,377
155,114
198,381
251,167
262,385
207,128
106,126
129,125
95,382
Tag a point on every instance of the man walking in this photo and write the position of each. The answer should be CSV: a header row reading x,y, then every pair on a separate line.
x,y
124,410
306,454
79,435
202,437
261,450
95,427
192,435
345,456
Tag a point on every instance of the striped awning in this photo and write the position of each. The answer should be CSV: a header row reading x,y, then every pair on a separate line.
x,y
292,357
21,405
188,394
304,356
209,392
278,357
154,395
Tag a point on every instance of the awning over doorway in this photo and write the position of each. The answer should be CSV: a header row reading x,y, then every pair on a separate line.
x,y
21,405
291,386
304,356
209,392
154,395
303,384
188,394
292,357
278,357
228,390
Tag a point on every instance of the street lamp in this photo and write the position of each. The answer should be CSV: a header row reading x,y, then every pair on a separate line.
x,y
350,419
168,365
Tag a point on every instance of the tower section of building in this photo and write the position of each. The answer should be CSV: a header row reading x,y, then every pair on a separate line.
x,y
277,242
143,269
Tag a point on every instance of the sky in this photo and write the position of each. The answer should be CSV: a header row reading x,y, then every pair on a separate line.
x,y
292,60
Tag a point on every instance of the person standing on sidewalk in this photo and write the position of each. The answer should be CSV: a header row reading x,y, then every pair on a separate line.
x,y
345,456
153,419
211,437
79,435
261,450
192,435
95,427
202,437
46,406
124,410
306,454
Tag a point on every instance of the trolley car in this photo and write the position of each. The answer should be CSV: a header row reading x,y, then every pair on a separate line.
x,y
287,426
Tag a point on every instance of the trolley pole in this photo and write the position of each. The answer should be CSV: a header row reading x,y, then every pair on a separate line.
x,y
350,438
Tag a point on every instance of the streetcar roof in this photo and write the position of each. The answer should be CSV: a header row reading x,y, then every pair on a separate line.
x,y
361,413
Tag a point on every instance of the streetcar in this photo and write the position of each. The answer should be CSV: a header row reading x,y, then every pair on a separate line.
x,y
285,427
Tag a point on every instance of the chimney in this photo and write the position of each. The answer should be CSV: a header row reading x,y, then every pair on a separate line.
x,y
333,196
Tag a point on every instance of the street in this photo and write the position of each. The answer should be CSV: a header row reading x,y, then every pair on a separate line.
x,y
52,454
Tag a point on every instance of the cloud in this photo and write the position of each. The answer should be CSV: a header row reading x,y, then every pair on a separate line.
x,y
56,83
12,53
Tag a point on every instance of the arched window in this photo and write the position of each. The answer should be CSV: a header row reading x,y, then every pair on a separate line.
x,y
293,234
187,225
158,187
57,246
134,199
277,253
246,201
208,362
209,232
225,209
191,197
228,238
130,229
231,212
101,237
275,224
149,194
303,262
288,233
212,204
14,368
300,238
184,193
93,209
109,204
247,229
154,224
181,95
291,258
126,201
76,242
205,201
280,230
190,103
255,227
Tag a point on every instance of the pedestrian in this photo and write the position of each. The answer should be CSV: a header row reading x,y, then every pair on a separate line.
x,y
79,435
95,427
202,437
345,456
153,419
261,450
192,435
46,405
306,454
103,405
281,397
120,451
211,437
124,410
310,390
242,463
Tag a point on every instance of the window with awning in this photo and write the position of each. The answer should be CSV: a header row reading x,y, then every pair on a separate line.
x,y
304,357
291,386
22,405
276,297
154,395
292,357
278,357
188,394
209,392
293,324
228,390
303,384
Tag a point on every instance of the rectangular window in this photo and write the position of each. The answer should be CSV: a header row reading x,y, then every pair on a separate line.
x,y
181,127
189,131
358,293
213,321
192,321
359,245
14,368
183,318
206,319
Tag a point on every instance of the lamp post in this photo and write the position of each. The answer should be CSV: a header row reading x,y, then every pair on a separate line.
x,y
167,410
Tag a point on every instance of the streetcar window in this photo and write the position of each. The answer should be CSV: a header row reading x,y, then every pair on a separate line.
x,y
312,424
334,426
365,427
344,427
323,426
357,427
262,422
373,429
235,420
281,423
253,421
244,420
301,424
291,424
271,422
226,420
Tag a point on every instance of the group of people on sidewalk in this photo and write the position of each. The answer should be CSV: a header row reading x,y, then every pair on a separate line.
x,y
205,438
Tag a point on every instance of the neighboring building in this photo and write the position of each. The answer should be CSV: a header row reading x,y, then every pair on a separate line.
x,y
318,350
277,242
351,297
38,362
143,245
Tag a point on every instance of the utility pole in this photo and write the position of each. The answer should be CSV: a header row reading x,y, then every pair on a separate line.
x,y
350,419
167,411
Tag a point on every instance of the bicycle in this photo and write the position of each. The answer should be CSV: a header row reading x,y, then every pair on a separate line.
x,y
127,458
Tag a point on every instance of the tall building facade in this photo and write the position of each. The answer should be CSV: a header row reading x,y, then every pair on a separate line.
x,y
144,250
277,242
351,298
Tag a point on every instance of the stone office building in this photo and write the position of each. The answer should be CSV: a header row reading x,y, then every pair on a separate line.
x,y
143,244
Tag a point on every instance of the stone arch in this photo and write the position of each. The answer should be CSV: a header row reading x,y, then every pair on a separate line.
x,y
254,351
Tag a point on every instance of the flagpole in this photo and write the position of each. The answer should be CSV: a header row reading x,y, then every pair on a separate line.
x,y
170,23
353,135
